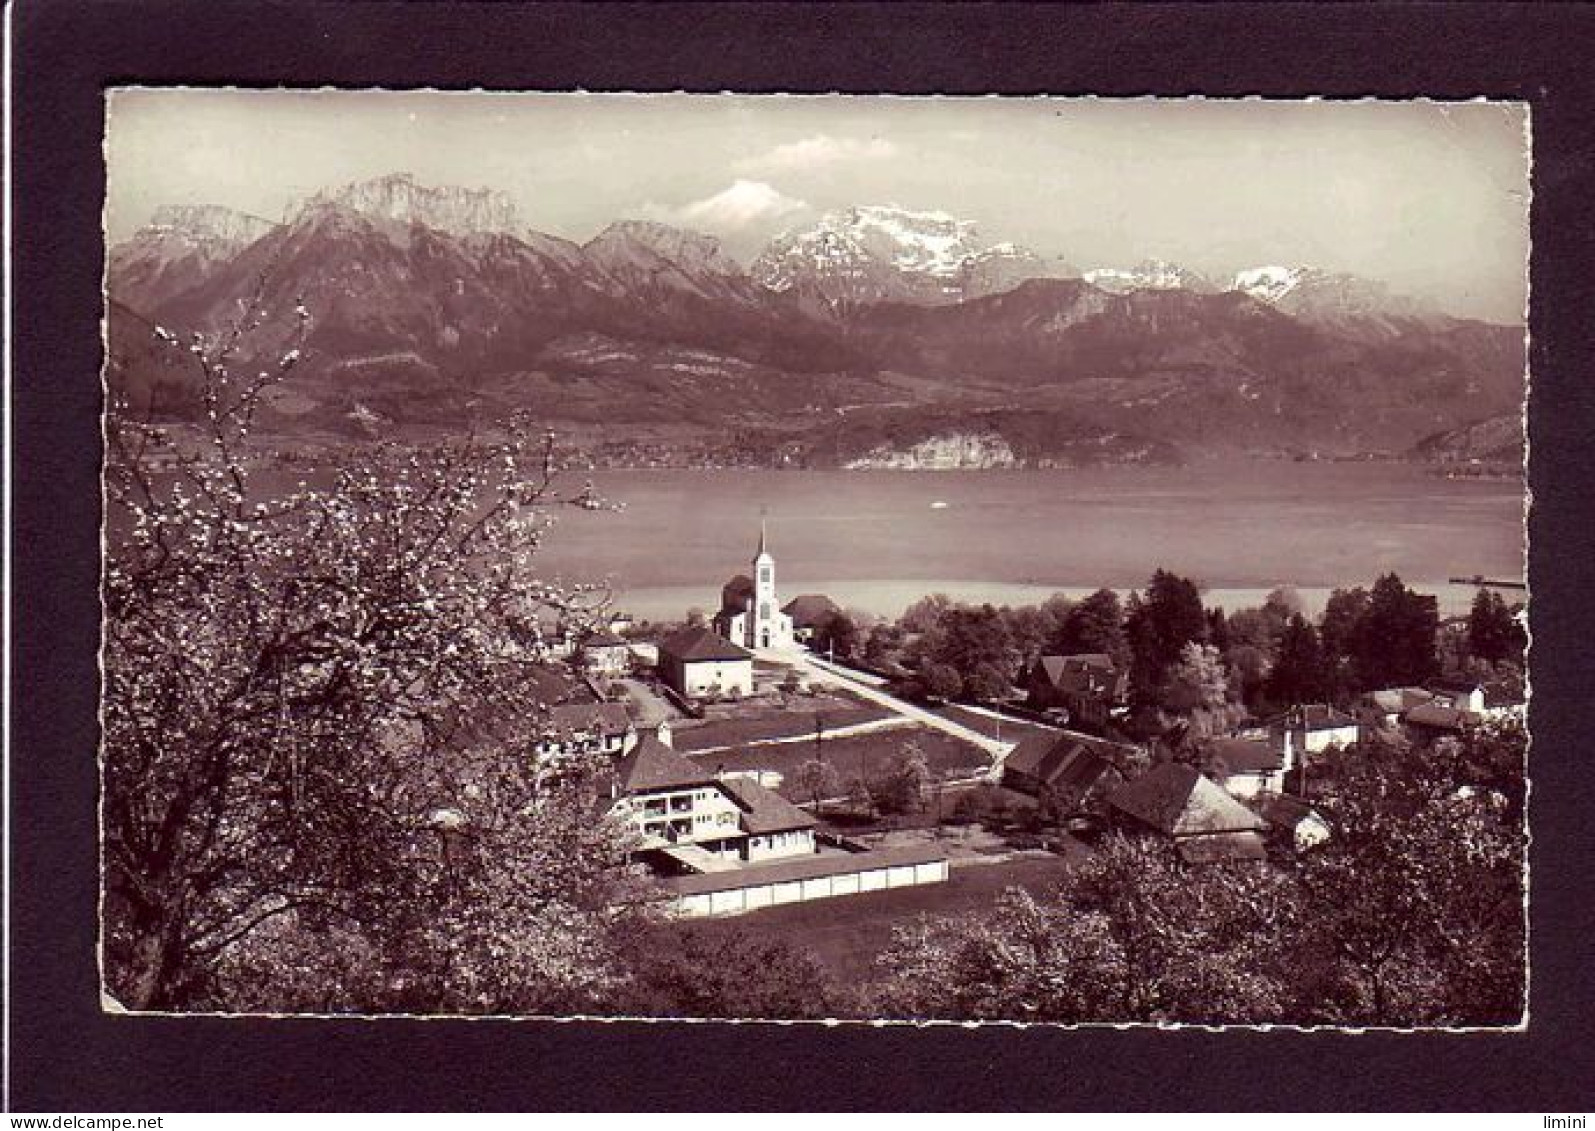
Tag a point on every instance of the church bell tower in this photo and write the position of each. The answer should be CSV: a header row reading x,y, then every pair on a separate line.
x,y
764,627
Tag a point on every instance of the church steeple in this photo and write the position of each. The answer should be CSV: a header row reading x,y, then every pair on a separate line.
x,y
763,552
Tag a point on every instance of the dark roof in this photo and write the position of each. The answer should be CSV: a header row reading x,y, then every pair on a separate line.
x,y
764,811
1062,761
1439,718
603,638
1174,799
1242,755
804,868
651,765
1078,672
605,718
810,610
1394,700
737,594
698,643
1284,810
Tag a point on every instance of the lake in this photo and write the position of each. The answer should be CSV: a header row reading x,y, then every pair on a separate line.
x,y
876,541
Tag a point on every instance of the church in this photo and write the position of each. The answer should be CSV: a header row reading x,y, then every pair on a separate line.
x,y
749,614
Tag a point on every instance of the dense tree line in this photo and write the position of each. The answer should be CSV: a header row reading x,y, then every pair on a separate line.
x,y
1267,658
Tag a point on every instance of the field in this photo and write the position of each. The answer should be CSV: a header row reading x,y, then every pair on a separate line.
x,y
847,933
730,724
862,755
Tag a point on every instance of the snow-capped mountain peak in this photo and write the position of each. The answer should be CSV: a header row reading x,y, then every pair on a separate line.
x,y
1269,284
1148,275
887,253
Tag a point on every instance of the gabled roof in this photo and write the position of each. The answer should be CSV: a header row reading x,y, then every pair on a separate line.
x,y
651,765
1176,800
1061,670
764,811
810,610
603,718
1062,761
1394,700
603,638
1439,718
1243,755
698,643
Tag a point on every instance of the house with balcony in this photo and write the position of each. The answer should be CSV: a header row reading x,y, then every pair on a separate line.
x,y
691,819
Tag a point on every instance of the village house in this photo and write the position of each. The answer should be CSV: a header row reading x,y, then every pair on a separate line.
x,y
1295,820
699,664
698,820
1249,766
1388,704
1068,765
723,844
572,728
1205,824
1430,721
1313,728
1486,700
749,615
810,613
1089,686
603,653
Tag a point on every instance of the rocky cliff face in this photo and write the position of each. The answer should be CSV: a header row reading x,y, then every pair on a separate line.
x,y
458,211
181,247
953,451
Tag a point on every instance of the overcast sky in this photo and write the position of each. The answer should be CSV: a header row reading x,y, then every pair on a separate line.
x,y
1431,198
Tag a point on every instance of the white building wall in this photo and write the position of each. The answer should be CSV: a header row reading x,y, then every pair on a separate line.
x,y
779,846
1317,741
757,895
732,677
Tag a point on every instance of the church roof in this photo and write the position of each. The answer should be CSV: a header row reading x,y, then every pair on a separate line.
x,y
737,594
810,610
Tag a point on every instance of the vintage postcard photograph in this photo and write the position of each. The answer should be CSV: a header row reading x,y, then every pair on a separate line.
x,y
1039,560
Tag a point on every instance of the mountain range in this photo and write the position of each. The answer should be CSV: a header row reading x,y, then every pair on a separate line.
x,y
866,337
